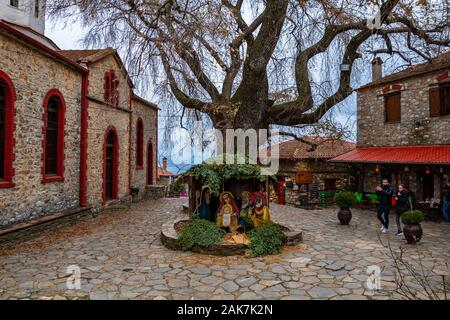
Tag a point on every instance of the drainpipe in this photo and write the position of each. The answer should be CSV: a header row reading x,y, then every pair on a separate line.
x,y
83,138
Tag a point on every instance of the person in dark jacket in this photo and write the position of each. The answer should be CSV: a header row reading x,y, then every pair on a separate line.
x,y
405,202
384,193
447,202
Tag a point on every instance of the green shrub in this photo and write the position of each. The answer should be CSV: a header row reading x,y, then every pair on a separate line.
x,y
266,240
412,217
176,187
200,232
345,199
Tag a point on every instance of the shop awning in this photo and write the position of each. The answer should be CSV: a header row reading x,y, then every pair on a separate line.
x,y
438,154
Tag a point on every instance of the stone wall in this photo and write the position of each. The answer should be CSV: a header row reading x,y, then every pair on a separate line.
x,y
148,116
321,171
372,129
100,117
97,72
33,75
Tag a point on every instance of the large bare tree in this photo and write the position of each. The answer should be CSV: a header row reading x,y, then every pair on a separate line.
x,y
256,63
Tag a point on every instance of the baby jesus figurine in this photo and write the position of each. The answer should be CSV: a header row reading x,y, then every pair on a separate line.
x,y
228,214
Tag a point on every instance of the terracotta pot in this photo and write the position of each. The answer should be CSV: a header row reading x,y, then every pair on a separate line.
x,y
413,233
344,216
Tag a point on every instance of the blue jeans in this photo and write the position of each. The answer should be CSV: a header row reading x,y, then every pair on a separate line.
x,y
447,211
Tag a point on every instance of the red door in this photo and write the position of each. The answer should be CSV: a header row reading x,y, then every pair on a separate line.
x,y
109,177
111,166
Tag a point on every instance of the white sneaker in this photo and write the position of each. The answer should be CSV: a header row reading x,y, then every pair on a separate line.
x,y
384,230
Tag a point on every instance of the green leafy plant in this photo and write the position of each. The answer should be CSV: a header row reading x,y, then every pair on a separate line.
x,y
176,187
345,199
266,240
412,217
200,232
214,173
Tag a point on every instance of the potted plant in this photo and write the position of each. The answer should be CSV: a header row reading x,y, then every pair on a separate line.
x,y
345,200
412,228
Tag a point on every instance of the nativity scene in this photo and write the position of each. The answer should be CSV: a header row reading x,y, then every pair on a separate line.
x,y
229,213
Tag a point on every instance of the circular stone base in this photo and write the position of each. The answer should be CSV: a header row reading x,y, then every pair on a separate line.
x,y
169,237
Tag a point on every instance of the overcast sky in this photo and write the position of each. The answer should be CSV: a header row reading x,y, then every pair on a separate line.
x,y
69,35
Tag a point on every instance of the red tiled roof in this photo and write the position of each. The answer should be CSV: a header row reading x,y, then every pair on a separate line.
x,y
77,55
146,102
27,40
92,56
439,154
440,62
165,173
327,148
42,38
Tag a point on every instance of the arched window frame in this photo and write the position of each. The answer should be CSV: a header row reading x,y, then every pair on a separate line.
x,y
139,144
110,129
59,176
10,127
111,86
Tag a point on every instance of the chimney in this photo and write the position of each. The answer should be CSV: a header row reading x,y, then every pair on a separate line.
x,y
164,165
377,69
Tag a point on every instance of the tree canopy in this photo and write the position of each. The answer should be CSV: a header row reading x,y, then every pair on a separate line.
x,y
252,64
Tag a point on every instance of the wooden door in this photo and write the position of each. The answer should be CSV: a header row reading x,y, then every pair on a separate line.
x,y
109,159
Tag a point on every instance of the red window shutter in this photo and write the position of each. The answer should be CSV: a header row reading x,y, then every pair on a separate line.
x,y
435,102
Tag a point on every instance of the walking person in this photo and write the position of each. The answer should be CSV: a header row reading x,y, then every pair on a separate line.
x,y
405,202
384,193
446,207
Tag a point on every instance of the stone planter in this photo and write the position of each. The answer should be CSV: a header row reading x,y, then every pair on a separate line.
x,y
169,238
344,216
413,233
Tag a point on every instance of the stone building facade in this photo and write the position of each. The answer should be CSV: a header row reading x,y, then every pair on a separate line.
x,y
28,195
143,174
403,129
297,159
414,90
67,128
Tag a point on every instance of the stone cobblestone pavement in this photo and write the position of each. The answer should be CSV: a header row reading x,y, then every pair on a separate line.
x,y
121,257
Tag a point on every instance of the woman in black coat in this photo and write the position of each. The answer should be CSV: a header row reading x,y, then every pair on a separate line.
x,y
405,202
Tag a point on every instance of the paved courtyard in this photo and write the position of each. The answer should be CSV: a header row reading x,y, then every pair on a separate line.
x,y
121,257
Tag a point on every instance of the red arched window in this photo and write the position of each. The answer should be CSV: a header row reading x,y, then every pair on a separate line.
x,y
140,144
111,85
110,164
7,127
53,142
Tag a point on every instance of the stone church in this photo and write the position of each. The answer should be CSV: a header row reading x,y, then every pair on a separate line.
x,y
73,134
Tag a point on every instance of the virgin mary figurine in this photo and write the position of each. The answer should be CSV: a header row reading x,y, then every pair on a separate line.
x,y
228,214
